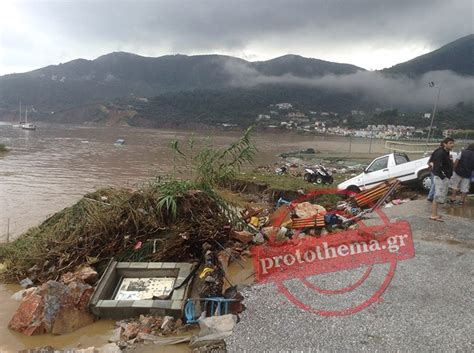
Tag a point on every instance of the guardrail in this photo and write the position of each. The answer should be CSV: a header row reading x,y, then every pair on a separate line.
x,y
417,147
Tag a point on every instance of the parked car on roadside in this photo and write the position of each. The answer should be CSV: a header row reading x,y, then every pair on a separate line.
x,y
393,165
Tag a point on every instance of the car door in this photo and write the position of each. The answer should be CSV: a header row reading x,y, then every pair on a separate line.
x,y
376,172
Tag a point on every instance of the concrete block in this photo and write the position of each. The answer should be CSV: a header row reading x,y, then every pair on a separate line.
x,y
124,303
176,305
163,304
142,304
179,294
138,265
169,265
155,265
184,268
123,265
107,303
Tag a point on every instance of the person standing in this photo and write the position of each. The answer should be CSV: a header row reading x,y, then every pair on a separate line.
x,y
442,171
461,179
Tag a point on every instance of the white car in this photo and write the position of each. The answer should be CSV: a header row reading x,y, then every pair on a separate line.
x,y
393,165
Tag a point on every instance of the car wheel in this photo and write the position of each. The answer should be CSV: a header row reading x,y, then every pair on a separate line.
x,y
308,177
353,188
425,181
319,180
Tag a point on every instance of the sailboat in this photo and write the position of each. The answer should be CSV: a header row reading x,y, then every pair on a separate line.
x,y
21,122
27,125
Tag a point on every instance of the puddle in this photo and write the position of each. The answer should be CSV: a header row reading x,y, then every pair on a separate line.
x,y
465,211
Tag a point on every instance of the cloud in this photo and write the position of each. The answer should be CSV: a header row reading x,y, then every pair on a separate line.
x,y
397,91
368,33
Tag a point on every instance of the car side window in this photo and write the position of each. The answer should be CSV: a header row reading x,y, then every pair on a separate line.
x,y
378,165
400,159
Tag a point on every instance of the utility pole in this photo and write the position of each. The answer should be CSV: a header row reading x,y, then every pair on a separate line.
x,y
432,85
370,144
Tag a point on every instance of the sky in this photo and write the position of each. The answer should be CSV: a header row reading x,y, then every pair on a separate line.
x,y
372,34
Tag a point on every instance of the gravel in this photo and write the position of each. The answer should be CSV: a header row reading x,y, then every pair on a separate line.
x,y
428,305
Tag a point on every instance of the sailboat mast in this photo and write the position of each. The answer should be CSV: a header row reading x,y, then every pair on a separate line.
x,y
20,112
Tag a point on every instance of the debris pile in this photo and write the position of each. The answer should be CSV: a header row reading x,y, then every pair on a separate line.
x,y
130,225
317,214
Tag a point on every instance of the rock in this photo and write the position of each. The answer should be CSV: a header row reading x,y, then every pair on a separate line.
x,y
109,348
306,210
26,283
258,238
244,237
71,319
167,325
53,308
116,335
28,318
131,330
83,273
18,296
224,256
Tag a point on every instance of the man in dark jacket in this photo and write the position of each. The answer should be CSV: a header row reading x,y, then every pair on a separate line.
x,y
461,179
442,171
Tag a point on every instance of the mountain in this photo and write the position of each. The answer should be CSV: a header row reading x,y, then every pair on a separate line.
x,y
217,86
123,74
302,67
456,56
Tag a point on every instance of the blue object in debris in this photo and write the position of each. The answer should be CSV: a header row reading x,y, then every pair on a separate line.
x,y
219,306
282,201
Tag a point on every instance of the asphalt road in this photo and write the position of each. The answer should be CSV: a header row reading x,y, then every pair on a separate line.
x,y
428,305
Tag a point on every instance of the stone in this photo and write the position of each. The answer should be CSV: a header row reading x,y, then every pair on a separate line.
x,y
306,210
244,237
53,308
18,296
109,348
131,330
116,335
83,273
224,256
28,318
26,283
168,323
258,238
70,319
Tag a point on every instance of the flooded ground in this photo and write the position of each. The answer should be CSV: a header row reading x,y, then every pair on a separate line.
x,y
96,334
52,167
